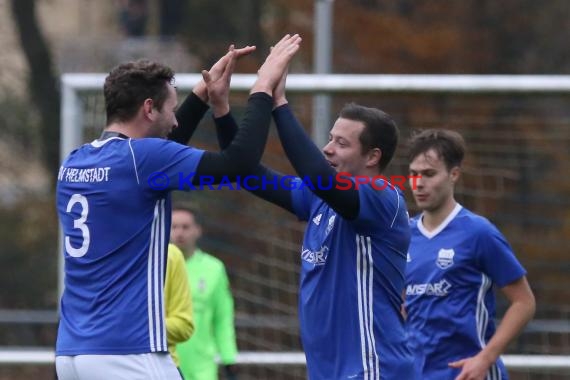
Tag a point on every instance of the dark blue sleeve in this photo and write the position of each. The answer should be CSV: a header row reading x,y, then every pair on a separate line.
x,y
188,115
310,164
245,151
226,129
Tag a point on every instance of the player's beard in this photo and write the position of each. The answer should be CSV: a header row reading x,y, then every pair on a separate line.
x,y
161,129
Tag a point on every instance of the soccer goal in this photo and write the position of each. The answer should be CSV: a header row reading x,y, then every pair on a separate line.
x,y
518,133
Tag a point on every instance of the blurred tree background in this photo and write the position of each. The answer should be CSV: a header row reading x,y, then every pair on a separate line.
x,y
41,39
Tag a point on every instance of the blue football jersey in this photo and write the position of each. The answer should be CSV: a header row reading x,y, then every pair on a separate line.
x,y
113,201
352,281
449,291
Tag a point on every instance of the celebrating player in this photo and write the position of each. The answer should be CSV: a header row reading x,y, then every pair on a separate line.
x,y
113,201
354,249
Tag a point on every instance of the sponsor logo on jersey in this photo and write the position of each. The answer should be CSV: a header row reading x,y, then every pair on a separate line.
x,y
438,289
315,257
445,258
317,219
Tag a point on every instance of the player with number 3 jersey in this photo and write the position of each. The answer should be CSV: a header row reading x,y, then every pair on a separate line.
x,y
113,201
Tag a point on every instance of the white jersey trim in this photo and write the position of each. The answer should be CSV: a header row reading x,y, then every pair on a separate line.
x,y
134,162
482,320
155,280
441,227
149,285
397,209
100,143
365,281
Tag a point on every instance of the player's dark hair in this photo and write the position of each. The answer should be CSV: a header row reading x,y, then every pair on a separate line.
x,y
449,145
128,85
380,130
187,208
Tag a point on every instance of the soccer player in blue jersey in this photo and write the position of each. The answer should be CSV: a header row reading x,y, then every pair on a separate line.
x,y
455,260
354,250
113,201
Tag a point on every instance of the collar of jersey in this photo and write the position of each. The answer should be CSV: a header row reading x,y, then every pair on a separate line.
x,y
197,255
100,143
441,227
107,136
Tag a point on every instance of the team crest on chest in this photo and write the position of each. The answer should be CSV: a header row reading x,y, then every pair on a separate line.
x,y
445,258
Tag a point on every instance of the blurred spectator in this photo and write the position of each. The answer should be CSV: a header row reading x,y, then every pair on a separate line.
x,y
171,13
133,17
213,305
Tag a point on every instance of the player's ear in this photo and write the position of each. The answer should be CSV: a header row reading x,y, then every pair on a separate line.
x,y
374,156
148,108
455,173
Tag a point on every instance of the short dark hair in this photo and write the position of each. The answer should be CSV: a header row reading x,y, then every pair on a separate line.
x,y
448,144
380,130
129,84
190,209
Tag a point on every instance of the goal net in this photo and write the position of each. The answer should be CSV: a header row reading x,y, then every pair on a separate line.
x,y
516,171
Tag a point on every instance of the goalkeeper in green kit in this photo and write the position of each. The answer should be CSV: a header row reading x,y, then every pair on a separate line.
x,y
214,334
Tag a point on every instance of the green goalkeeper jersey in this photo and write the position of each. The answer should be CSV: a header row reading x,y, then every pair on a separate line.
x,y
214,334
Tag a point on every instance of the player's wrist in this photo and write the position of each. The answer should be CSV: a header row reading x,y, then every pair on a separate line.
x,y
262,86
220,110
201,91
280,102
488,357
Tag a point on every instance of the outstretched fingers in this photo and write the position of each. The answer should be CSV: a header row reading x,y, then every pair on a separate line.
x,y
206,77
287,46
220,71
246,50
272,70
229,69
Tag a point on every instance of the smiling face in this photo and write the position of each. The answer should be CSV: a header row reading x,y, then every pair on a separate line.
x,y
344,149
434,190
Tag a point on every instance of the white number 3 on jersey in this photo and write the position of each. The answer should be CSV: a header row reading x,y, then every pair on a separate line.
x,y
79,224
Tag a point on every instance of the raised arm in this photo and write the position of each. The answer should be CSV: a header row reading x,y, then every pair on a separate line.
x,y
189,114
245,151
308,160
226,129
192,110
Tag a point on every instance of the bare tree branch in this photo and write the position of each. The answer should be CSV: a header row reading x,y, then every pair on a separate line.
x,y
43,84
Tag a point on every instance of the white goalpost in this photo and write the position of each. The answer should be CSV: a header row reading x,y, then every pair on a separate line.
x,y
46,357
